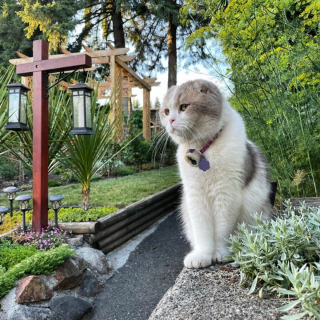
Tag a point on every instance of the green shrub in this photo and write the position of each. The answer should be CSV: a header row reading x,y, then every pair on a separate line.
x,y
64,215
283,255
79,215
54,183
8,170
11,253
42,262
125,171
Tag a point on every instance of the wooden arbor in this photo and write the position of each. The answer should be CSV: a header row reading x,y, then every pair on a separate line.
x,y
122,80
39,67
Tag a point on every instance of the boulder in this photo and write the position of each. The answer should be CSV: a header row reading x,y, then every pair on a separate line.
x,y
31,289
95,259
22,312
90,286
69,274
70,308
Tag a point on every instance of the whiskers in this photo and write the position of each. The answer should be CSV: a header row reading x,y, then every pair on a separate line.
x,y
161,141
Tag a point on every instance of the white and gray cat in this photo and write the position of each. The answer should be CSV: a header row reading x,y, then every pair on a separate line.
x,y
224,175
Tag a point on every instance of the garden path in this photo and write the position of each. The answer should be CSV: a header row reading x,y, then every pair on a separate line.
x,y
151,269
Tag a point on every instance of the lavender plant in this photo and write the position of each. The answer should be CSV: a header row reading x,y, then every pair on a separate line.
x,y
282,255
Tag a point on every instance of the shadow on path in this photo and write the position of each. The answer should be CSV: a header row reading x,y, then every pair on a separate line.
x,y
151,269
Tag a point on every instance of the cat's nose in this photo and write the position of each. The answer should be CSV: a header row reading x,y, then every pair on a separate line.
x,y
171,121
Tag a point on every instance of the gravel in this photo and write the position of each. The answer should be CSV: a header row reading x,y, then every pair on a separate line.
x,y
215,293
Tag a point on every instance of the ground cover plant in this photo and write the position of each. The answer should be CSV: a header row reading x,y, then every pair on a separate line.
x,y
24,253
282,256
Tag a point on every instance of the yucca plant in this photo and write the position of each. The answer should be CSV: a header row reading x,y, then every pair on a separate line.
x,y
83,153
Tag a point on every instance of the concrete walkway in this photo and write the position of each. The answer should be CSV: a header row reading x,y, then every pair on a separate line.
x,y
151,269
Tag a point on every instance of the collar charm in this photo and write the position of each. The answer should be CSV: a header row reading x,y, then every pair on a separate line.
x,y
196,158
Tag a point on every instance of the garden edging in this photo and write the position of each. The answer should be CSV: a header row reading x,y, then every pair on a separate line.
x,y
113,230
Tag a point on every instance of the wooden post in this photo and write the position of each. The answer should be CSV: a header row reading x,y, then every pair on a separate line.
x,y
40,139
39,69
146,114
116,97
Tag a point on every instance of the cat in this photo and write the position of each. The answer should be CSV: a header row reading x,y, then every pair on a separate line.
x,y
234,182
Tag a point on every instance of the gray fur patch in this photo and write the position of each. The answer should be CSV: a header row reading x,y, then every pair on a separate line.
x,y
250,164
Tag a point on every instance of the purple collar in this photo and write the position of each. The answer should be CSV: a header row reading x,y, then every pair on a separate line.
x,y
197,159
208,144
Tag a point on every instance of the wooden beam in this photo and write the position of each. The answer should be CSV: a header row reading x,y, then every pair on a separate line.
x,y
81,61
93,54
101,60
127,58
132,73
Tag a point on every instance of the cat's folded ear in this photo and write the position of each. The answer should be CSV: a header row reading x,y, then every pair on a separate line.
x,y
205,89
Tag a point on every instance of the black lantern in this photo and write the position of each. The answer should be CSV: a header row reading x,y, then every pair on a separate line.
x,y
56,204
23,205
17,109
81,107
11,193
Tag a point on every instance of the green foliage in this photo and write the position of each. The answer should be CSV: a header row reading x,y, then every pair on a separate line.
x,y
272,48
12,253
55,19
283,254
42,262
8,169
64,215
80,215
54,183
124,171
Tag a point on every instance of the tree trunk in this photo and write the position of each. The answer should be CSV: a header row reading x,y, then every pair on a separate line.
x,y
118,32
172,54
85,199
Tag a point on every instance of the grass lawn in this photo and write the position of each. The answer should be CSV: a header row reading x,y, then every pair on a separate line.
x,y
117,192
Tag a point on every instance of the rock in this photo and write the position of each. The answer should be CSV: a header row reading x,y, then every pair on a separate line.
x,y
69,274
90,286
31,289
95,259
77,241
70,308
21,312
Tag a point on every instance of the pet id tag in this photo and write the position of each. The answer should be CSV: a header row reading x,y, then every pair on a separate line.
x,y
197,159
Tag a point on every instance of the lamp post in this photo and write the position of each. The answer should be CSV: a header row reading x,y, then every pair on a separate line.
x,y
81,107
11,193
56,204
3,211
39,68
17,110
23,205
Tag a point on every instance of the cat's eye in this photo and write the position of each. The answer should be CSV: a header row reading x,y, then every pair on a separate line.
x,y
183,107
166,112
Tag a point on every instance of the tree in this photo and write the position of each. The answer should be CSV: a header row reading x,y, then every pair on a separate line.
x,y
157,104
272,49
55,19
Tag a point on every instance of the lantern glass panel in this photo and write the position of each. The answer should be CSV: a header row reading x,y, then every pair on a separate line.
x,y
78,111
14,107
24,102
88,111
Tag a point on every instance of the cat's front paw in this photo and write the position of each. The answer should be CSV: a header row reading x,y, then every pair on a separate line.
x,y
220,255
198,259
